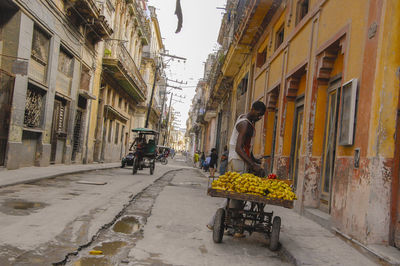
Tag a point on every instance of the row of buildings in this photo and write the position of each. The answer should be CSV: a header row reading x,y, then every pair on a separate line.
x,y
75,77
328,72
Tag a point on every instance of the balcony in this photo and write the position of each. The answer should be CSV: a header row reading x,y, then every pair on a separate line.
x,y
140,21
251,16
87,9
120,65
113,113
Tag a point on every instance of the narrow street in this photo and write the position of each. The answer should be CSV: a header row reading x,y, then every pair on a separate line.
x,y
134,219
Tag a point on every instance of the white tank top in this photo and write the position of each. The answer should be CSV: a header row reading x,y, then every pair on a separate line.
x,y
235,133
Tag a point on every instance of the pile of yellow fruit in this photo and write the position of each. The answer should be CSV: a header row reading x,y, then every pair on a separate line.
x,y
254,185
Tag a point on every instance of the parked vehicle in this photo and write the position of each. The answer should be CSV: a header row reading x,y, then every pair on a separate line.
x,y
127,160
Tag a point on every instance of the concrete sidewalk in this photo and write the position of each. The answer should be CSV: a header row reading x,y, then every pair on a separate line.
x,y
30,174
305,242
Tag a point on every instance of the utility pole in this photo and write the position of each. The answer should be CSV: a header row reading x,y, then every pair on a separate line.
x,y
162,110
158,66
169,114
151,98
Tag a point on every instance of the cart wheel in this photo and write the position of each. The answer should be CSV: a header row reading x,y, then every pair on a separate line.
x,y
219,224
134,165
152,168
276,228
164,161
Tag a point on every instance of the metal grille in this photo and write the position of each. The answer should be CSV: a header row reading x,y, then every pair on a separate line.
x,y
61,119
33,108
77,134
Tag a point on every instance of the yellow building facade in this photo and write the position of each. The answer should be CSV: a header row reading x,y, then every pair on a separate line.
x,y
327,71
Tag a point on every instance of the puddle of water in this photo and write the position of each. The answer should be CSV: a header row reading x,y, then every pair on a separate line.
x,y
24,205
110,248
127,225
92,261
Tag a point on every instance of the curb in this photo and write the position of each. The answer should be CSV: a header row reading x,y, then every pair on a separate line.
x,y
50,176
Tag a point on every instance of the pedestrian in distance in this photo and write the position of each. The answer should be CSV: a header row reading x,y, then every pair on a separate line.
x,y
196,159
207,164
241,158
202,160
213,162
224,161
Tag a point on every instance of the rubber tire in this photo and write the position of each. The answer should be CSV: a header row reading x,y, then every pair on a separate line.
x,y
275,230
152,166
134,166
164,161
219,224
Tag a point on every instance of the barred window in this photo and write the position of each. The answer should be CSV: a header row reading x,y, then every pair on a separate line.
x,y
33,107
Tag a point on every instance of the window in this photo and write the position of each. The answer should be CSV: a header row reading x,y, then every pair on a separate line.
x,y
301,10
33,107
119,102
65,71
242,87
116,133
39,55
65,63
85,78
122,133
262,57
348,112
108,99
110,125
279,37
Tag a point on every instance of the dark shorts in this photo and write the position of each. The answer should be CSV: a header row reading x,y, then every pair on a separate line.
x,y
213,164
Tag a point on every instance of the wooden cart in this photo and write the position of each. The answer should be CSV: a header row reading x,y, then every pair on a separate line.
x,y
252,218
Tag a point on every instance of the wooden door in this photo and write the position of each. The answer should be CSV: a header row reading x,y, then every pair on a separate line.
x,y
328,163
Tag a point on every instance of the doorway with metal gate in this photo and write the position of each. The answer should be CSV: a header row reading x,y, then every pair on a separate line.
x,y
59,131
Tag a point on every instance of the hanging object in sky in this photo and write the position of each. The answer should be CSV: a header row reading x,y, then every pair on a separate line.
x,y
178,13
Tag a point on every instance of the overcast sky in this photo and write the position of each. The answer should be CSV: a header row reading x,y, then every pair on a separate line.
x,y
198,38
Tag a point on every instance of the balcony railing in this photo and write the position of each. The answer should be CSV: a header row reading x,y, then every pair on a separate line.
x,y
240,13
117,55
136,9
91,12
